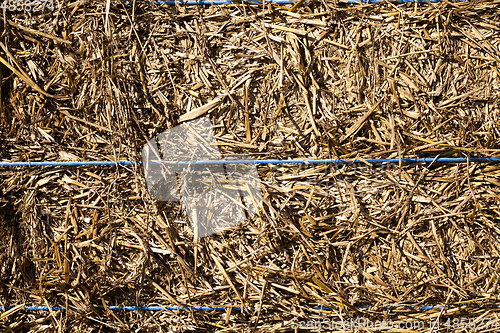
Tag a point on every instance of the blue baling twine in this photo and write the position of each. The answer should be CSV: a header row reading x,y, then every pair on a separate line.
x,y
306,161
282,2
216,308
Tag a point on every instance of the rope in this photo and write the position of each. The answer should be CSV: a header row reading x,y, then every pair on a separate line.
x,y
447,160
212,308
282,2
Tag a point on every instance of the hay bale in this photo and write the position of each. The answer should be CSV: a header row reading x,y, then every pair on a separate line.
x,y
96,80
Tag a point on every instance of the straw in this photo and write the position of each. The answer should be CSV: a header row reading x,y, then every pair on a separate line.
x,y
390,111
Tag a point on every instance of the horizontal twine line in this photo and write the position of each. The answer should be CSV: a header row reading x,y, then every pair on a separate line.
x,y
224,162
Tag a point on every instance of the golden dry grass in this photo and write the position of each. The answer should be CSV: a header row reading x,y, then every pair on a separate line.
x,y
91,82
